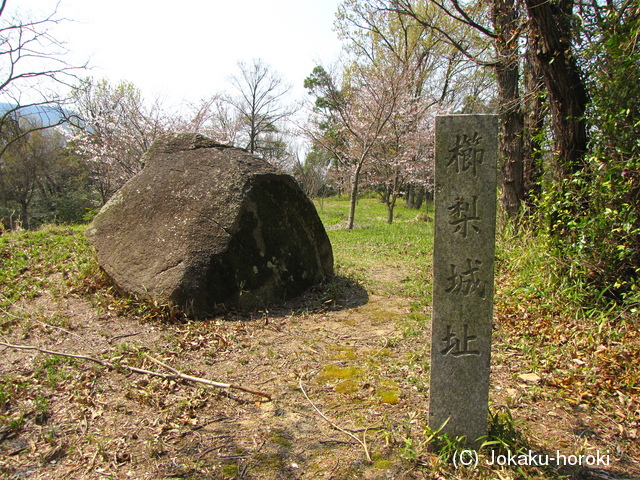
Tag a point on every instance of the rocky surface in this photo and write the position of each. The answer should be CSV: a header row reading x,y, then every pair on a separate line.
x,y
205,226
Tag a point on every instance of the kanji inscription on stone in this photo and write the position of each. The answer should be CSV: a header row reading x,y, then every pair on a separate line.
x,y
464,251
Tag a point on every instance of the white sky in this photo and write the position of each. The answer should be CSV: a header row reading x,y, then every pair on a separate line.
x,y
186,50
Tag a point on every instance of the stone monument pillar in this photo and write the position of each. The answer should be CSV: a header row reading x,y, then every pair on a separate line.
x,y
464,249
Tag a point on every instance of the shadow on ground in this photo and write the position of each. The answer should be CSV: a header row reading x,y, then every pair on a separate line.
x,y
338,293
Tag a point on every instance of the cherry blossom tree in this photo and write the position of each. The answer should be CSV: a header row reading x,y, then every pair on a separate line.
x,y
214,117
405,157
416,71
114,130
350,120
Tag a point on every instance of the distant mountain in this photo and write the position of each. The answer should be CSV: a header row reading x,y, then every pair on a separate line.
x,y
42,113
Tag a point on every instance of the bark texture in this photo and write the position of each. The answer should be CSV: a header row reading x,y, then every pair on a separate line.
x,y
551,41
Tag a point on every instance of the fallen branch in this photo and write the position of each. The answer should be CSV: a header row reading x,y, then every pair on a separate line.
x,y
173,376
362,442
62,354
205,381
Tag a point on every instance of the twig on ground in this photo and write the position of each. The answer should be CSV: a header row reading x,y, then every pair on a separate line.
x,y
205,381
124,336
362,442
175,374
62,354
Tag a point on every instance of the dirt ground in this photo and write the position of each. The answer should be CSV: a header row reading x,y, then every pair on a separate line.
x,y
347,381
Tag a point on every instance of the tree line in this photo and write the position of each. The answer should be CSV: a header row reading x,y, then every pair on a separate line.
x,y
64,170
562,75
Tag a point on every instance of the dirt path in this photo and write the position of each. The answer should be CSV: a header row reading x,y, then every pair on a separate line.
x,y
360,364
362,361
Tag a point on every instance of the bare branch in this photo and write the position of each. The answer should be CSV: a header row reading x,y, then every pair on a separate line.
x,y
174,373
404,7
466,18
32,67
260,103
205,381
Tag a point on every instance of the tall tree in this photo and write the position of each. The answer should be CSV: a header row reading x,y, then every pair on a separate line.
x,y
349,119
489,35
431,72
506,35
261,105
551,34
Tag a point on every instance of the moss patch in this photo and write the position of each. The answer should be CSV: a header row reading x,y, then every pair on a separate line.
x,y
388,392
335,372
347,387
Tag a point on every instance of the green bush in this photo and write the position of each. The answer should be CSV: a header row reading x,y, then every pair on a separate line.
x,y
595,213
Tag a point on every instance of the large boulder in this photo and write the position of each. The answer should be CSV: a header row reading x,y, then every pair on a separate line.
x,y
205,225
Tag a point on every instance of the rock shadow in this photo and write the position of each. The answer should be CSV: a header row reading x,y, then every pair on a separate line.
x,y
336,293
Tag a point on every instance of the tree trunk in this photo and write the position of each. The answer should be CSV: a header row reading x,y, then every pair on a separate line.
x,y
505,20
390,207
534,129
417,203
24,215
410,195
391,199
385,195
354,195
568,98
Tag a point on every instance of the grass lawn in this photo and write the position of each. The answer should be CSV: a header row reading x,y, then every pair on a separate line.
x,y
405,246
